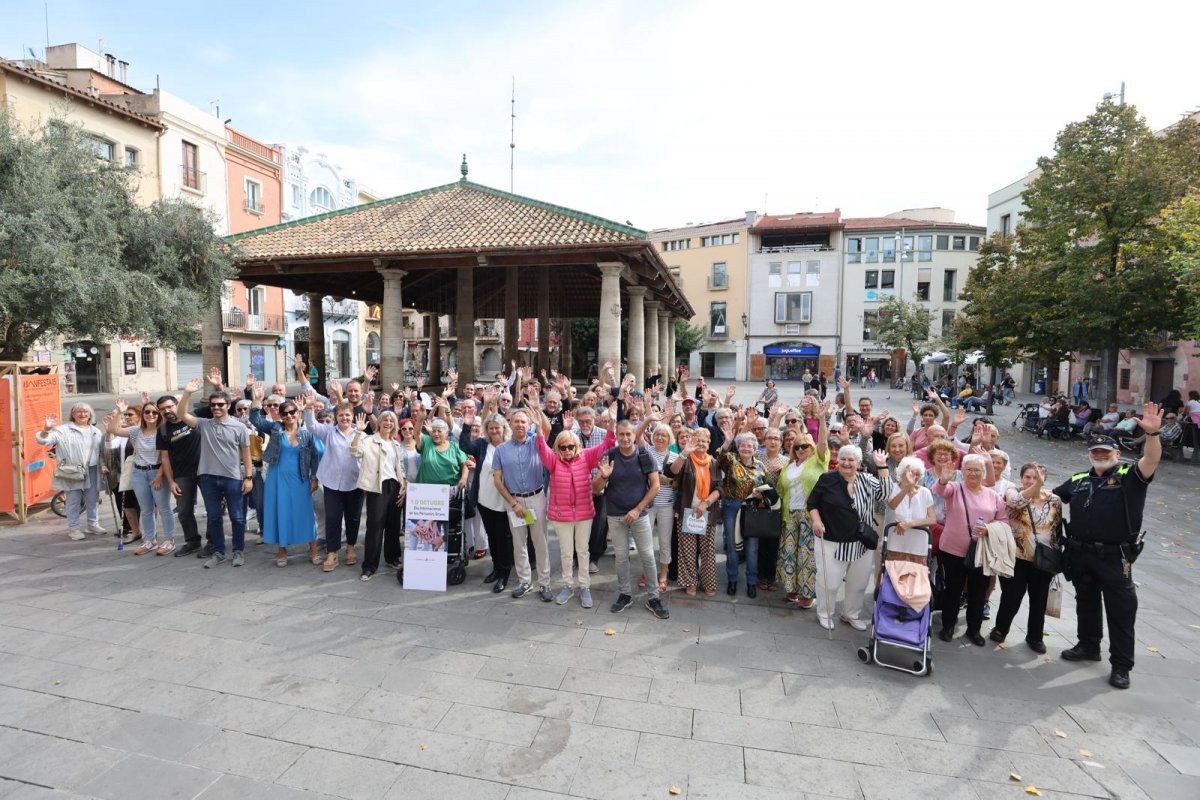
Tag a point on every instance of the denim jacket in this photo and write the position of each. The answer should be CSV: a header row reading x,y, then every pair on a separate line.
x,y
310,446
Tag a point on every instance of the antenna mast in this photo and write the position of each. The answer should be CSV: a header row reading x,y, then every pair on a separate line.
x,y
512,134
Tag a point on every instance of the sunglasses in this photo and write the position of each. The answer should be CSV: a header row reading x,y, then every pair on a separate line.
x,y
149,413
799,447
291,412
216,405
791,421
272,405
566,448
404,428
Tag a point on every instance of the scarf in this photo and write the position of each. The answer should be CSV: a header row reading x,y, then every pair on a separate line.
x,y
700,462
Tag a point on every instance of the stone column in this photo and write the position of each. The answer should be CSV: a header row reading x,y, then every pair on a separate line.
x,y
671,357
316,339
637,333
465,313
543,312
608,347
664,344
652,358
565,345
391,329
512,323
435,349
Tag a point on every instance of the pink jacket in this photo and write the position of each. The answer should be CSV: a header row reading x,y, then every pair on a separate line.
x,y
571,481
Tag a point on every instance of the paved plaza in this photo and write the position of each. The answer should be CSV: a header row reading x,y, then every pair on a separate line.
x,y
129,677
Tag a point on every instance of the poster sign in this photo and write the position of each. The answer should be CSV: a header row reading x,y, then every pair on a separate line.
x,y
130,363
427,514
8,473
39,399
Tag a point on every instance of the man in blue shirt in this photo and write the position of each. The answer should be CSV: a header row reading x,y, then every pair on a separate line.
x,y
517,470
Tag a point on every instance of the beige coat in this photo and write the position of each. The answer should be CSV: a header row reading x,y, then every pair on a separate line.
x,y
371,451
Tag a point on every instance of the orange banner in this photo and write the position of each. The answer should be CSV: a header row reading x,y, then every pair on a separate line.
x,y
39,398
8,473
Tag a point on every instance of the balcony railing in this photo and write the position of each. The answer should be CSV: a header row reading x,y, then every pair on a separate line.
x,y
487,331
255,206
238,320
194,179
797,248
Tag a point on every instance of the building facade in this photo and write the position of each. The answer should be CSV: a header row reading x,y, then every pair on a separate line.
x,y
710,262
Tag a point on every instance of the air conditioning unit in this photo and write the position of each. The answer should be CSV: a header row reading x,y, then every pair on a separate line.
x,y
254,322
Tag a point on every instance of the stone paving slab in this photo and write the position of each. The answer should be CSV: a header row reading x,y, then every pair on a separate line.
x,y
124,677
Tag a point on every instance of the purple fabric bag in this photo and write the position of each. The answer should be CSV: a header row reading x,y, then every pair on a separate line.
x,y
896,622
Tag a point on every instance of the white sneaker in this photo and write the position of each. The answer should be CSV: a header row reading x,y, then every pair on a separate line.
x,y
857,624
75,535
827,624
96,529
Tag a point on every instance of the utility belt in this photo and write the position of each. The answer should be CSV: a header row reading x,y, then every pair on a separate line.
x,y
1129,550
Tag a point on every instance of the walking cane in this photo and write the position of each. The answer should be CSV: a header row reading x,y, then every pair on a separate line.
x,y
830,602
112,504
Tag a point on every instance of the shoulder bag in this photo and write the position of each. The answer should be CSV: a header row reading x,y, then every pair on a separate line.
x,y
1047,558
761,523
70,472
970,558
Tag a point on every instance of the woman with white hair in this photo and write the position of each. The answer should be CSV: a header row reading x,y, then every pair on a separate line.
x,y
743,473
490,507
662,514
970,506
77,445
382,479
838,503
910,505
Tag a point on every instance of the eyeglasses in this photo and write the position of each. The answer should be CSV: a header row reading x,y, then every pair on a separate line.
x,y
291,412
240,410
215,405
566,448
149,413
272,405
791,420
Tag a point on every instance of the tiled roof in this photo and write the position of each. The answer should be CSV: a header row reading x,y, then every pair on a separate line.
x,y
791,222
892,223
457,217
28,73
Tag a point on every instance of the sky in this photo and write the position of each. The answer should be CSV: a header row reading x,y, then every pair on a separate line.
x,y
655,113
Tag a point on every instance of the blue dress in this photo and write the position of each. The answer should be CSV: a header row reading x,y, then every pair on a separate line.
x,y
287,505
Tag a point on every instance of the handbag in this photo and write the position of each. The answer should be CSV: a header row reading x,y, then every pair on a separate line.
x,y
1054,599
761,523
70,472
868,536
969,560
1047,558
692,524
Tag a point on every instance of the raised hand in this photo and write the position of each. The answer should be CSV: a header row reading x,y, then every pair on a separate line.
x,y
370,372
360,422
251,379
1151,419
568,420
420,383
605,467
960,416
194,385
844,383
730,392
880,457
452,374
259,392
52,421
395,387
826,408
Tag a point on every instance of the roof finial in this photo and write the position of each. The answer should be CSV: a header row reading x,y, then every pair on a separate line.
x,y
463,167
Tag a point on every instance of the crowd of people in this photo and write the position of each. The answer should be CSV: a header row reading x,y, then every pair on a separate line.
x,y
670,473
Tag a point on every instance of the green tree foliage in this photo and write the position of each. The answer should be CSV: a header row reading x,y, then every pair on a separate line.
x,y
81,259
1179,250
1086,261
688,337
904,325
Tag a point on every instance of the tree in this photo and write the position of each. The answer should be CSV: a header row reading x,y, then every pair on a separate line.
x,y
902,324
81,259
1086,245
688,337
1179,250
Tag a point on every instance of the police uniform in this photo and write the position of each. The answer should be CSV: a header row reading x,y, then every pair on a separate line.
x,y
1105,514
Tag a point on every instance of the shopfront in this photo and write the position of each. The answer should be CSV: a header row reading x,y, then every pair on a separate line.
x,y
788,361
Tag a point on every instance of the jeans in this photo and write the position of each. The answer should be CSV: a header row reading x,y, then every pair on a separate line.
x,y
664,528
643,539
150,498
214,489
255,498
89,498
185,505
729,512
339,506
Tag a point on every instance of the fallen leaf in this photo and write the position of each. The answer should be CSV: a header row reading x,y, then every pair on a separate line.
x,y
1033,790
1152,649
610,631
578,622
58,683
1085,753
424,747
1014,776
676,790
1060,734
1002,646
687,630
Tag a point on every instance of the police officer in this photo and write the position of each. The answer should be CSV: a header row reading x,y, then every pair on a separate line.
x,y
1106,505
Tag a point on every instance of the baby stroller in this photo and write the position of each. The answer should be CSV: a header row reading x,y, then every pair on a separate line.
x,y
897,631
457,557
1027,419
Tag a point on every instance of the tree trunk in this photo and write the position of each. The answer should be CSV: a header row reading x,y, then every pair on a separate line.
x,y
992,391
1108,368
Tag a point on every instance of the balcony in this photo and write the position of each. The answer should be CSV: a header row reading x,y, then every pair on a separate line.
x,y
255,207
487,331
238,320
193,179
796,248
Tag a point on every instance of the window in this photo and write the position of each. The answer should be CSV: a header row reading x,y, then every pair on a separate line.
x,y
720,239
322,199
719,278
372,348
949,287
888,279
870,325
794,267
793,307
103,149
775,268
297,197
254,300
924,248
872,279
943,242
147,358
906,248
254,203
923,290
947,320
717,327
812,273
974,243
131,158
889,248
872,244
1123,378
854,250
1005,224
960,243
677,244
191,166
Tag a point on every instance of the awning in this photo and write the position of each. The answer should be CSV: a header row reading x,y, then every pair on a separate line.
x,y
937,357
